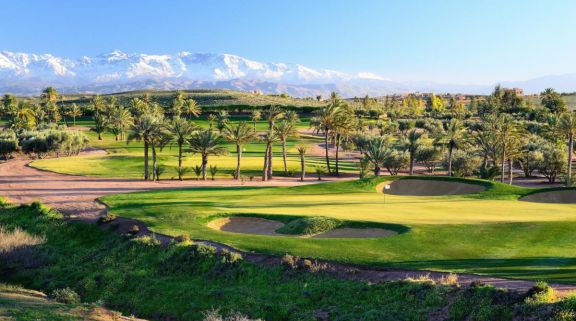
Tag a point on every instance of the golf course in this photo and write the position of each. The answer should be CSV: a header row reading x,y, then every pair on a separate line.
x,y
488,232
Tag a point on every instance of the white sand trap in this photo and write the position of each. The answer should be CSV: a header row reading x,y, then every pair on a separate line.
x,y
246,225
561,197
348,232
424,187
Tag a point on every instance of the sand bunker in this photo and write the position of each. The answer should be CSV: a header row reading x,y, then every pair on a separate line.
x,y
261,226
246,225
425,187
561,197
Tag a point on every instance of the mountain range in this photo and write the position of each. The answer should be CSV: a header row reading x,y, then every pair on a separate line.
x,y
28,74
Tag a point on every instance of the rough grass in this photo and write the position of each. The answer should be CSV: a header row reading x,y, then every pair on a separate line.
x,y
17,238
184,281
489,232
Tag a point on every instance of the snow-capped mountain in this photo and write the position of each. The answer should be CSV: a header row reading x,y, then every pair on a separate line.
x,y
27,74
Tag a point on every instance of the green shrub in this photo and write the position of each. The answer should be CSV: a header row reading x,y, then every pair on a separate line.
x,y
310,225
135,229
106,218
541,292
66,296
148,240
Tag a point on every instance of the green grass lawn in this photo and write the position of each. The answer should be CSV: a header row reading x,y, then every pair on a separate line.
x,y
489,232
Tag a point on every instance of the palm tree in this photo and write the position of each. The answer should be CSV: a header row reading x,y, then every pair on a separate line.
x,y
74,111
158,140
240,134
255,116
376,150
285,130
118,121
180,129
269,138
49,95
273,114
345,124
506,129
211,119
99,106
142,130
413,143
191,108
302,150
323,122
205,143
453,138
177,104
567,126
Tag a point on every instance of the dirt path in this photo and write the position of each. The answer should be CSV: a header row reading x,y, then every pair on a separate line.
x,y
76,196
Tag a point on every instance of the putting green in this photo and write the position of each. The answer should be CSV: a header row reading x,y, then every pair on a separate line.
x,y
488,232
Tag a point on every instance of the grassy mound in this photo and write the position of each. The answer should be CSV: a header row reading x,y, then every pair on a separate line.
x,y
310,225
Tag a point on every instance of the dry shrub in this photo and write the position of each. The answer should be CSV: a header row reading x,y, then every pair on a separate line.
x,y
422,278
16,239
541,292
450,279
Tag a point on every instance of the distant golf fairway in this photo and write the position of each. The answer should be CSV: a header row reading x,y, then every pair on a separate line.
x,y
489,232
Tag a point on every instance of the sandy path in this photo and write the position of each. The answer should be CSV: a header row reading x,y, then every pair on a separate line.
x,y
76,195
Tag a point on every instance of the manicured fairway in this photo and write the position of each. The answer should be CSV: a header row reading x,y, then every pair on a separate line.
x,y
489,232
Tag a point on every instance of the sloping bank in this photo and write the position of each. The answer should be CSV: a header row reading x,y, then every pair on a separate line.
x,y
183,280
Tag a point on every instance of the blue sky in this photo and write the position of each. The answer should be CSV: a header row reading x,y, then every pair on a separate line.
x,y
472,42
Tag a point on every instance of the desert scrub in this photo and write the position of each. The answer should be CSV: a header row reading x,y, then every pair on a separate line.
x,y
310,225
17,238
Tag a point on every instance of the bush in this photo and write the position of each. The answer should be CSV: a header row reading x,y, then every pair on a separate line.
x,y
463,163
66,296
310,225
148,240
134,229
183,238
290,261
106,218
541,292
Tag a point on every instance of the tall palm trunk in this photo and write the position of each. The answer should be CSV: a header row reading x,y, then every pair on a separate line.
x,y
450,151
146,169
265,169
204,165
510,171
154,167
284,157
238,158
377,170
326,150
502,169
570,152
180,143
269,171
302,168
336,161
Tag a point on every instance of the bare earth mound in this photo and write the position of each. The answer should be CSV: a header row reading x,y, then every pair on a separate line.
x,y
246,225
424,187
561,197
349,232
262,226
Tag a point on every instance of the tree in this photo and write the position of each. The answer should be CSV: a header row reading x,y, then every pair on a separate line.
x,y
240,133
396,161
142,130
118,120
191,108
567,126
273,114
177,104
269,138
453,138
256,115
324,121
376,151
99,106
158,140
74,111
344,126
180,129
553,162
8,144
552,101
505,130
302,150
211,119
430,156
413,141
285,130
206,143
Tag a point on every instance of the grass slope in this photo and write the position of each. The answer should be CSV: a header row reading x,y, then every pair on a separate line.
x,y
182,281
489,232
